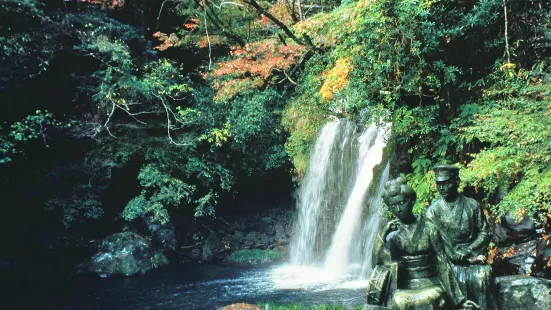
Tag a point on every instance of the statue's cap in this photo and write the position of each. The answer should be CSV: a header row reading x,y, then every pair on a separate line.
x,y
445,172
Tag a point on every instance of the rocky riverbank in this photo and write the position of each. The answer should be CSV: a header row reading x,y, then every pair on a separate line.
x,y
251,239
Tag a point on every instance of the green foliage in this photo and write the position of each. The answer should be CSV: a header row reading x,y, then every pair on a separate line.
x,y
255,256
515,127
27,36
24,132
432,68
159,190
435,69
305,114
424,186
403,69
126,81
83,204
256,131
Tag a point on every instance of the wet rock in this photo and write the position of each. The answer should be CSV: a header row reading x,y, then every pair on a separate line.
x,y
251,239
195,254
280,235
515,259
126,253
523,292
269,230
210,248
164,237
542,263
512,231
238,236
151,224
266,240
289,229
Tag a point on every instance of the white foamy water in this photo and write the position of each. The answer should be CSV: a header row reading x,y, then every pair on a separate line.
x,y
371,145
338,219
313,278
311,196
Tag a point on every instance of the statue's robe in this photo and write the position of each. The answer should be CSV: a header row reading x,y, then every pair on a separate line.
x,y
463,227
425,278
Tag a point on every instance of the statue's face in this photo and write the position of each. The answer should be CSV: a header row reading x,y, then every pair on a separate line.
x,y
447,188
400,206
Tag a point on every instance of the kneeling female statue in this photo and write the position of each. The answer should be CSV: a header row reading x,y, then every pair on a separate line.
x,y
411,271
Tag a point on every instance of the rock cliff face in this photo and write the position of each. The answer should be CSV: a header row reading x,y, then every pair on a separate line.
x,y
521,248
206,240
212,240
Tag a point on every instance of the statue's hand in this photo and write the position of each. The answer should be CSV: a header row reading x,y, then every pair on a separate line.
x,y
468,304
462,254
390,227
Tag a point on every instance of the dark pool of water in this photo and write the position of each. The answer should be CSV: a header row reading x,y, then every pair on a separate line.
x,y
189,287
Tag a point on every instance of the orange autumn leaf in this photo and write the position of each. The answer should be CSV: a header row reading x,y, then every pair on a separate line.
x,y
336,79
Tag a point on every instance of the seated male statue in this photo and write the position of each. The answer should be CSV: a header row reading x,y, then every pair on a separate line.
x,y
409,253
465,235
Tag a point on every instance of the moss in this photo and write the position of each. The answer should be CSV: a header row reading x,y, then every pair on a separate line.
x,y
158,260
255,256
294,306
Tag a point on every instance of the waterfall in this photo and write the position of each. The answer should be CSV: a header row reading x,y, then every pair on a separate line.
x,y
372,224
332,151
371,144
333,198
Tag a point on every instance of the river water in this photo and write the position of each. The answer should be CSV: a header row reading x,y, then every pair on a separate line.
x,y
198,287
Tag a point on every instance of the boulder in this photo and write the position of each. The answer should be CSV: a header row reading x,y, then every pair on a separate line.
x,y
510,230
210,248
515,259
523,292
164,235
542,262
164,238
126,253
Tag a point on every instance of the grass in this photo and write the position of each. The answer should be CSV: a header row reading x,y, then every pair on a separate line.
x,y
293,306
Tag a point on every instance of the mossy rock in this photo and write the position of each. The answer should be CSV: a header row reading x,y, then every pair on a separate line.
x,y
126,253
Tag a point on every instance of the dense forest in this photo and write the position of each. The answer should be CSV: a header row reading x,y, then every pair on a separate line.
x,y
117,109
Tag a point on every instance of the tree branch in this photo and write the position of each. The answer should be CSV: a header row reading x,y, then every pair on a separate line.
x,y
168,122
261,11
213,18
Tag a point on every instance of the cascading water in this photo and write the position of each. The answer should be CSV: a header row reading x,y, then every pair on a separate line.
x,y
325,185
371,144
333,199
372,224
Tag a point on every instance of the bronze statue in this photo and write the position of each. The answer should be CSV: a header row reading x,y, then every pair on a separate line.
x,y
465,236
411,271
